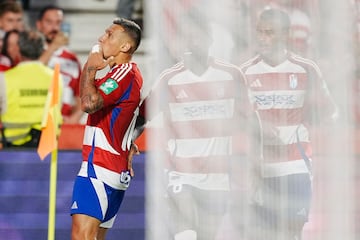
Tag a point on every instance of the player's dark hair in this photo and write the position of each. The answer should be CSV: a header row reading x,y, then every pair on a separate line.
x,y
132,29
48,8
276,16
31,44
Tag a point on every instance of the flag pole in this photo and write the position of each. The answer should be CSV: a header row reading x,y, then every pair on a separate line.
x,y
53,165
53,182
48,144
52,195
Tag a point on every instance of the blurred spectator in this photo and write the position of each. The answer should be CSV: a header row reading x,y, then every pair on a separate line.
x,y
5,63
11,47
49,22
23,94
11,17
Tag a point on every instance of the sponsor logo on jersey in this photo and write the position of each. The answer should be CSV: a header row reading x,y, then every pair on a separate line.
x,y
293,81
109,86
275,100
206,110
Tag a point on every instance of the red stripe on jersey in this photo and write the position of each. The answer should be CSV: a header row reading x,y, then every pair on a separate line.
x,y
202,91
277,81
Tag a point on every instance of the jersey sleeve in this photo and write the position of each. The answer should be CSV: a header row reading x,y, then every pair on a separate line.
x,y
116,86
320,97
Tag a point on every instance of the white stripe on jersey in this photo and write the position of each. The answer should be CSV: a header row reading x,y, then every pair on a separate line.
x,y
285,67
121,72
278,99
100,139
201,147
284,168
109,177
286,135
209,181
202,110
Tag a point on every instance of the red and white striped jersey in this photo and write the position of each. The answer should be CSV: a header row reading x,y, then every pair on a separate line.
x,y
286,97
5,63
70,69
108,131
201,116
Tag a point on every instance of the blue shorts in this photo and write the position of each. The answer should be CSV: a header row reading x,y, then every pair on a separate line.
x,y
94,198
284,200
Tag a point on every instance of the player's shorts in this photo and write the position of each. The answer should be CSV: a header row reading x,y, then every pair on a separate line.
x,y
94,198
284,201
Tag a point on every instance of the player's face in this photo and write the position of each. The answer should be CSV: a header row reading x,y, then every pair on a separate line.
x,y
113,41
196,41
10,21
13,47
270,38
50,24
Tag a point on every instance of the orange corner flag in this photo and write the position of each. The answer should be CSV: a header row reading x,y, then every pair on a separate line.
x,y
48,140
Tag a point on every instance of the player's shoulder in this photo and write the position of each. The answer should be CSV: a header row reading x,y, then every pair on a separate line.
x,y
172,71
226,66
121,71
250,62
307,63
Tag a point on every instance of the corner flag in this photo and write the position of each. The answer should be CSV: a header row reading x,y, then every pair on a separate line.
x,y
48,141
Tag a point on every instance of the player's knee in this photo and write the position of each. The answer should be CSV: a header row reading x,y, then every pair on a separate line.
x,y
186,235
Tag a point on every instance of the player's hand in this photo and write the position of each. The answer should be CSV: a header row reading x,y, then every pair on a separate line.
x,y
96,58
133,150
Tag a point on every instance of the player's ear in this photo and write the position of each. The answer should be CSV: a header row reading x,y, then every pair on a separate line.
x,y
126,47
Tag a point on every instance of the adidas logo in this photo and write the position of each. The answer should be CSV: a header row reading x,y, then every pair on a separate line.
x,y
74,205
256,83
181,95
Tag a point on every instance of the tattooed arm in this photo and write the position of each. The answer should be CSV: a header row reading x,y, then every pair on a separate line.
x,y
91,99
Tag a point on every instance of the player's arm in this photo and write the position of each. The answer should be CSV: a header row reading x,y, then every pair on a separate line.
x,y
91,99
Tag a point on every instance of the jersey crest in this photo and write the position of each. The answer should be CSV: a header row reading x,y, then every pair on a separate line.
x,y
108,86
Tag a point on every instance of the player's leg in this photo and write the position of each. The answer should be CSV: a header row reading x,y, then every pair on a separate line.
x,y
84,227
101,233
86,209
212,206
299,197
183,212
